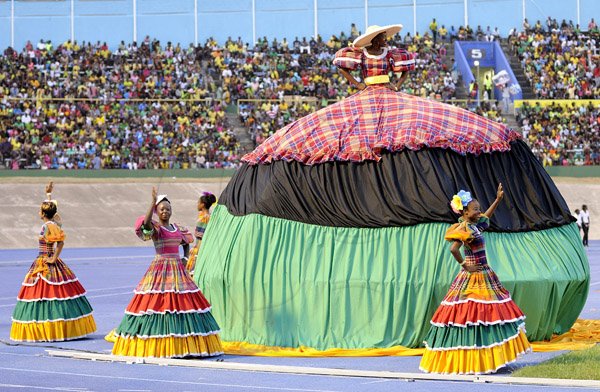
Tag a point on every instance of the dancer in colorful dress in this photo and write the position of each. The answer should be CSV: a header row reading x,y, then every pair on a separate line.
x,y
478,328
168,316
371,53
51,305
204,203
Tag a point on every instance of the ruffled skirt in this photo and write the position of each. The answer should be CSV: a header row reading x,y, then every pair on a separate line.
x,y
477,329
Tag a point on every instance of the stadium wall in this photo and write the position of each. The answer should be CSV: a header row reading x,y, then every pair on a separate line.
x,y
100,212
191,21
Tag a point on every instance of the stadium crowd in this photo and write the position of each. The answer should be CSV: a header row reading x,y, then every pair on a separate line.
x,y
562,135
152,106
140,106
560,61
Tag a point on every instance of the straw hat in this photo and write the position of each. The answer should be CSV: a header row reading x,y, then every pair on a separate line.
x,y
372,31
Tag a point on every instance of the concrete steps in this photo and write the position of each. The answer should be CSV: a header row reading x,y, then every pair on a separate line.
x,y
241,132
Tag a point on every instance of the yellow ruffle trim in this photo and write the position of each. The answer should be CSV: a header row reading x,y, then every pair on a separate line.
x,y
475,361
169,347
584,334
53,331
54,233
243,348
459,231
111,336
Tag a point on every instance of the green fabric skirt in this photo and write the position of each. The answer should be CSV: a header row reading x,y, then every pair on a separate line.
x,y
283,283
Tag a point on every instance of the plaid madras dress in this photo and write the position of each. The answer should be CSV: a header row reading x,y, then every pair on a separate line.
x,y
168,316
51,305
201,223
477,328
375,119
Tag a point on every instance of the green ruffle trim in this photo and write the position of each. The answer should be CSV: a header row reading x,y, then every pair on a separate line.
x,y
168,324
476,336
53,310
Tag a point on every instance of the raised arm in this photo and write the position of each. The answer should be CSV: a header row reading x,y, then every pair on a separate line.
x,y
49,189
148,219
499,197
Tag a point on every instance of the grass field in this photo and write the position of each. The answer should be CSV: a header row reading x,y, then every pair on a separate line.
x,y
580,365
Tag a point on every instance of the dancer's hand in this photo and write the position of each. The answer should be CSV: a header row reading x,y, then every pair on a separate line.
x,y
49,187
51,260
361,86
392,87
154,195
499,192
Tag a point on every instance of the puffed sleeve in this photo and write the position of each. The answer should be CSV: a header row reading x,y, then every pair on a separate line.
x,y
459,232
348,58
53,233
483,223
402,60
187,237
201,226
142,233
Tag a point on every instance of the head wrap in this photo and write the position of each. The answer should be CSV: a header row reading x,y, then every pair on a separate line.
x,y
161,198
460,201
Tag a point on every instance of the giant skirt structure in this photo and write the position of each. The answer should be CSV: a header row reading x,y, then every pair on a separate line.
x,y
331,235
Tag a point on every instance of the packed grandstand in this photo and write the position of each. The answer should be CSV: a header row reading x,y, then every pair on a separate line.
x,y
152,105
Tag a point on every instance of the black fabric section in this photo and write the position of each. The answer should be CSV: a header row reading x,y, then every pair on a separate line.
x,y
403,188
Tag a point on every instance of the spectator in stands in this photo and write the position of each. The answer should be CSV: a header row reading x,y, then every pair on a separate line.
x,y
562,134
433,27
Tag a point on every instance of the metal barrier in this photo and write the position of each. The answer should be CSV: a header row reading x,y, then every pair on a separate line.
x,y
301,98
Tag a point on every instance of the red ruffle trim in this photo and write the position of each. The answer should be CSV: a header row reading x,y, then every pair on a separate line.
x,y
473,313
42,290
167,302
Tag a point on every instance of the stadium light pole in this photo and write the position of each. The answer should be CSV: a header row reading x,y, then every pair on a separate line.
x,y
72,21
523,10
366,14
316,18
578,14
195,22
12,24
253,22
134,21
466,6
414,17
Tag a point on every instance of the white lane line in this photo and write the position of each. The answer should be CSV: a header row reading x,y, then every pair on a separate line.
x,y
110,295
301,370
44,388
19,355
130,292
89,291
376,382
113,288
168,381
67,259
135,390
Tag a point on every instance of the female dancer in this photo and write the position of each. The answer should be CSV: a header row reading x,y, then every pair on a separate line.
x,y
51,305
168,316
204,203
477,328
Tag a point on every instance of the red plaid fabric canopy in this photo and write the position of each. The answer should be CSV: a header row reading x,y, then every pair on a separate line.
x,y
376,119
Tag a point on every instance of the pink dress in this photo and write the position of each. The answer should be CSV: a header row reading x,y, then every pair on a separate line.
x,y
168,316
